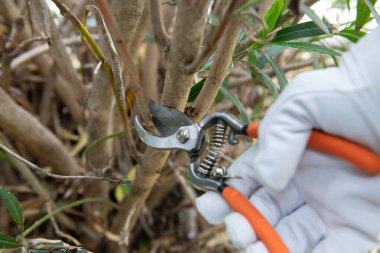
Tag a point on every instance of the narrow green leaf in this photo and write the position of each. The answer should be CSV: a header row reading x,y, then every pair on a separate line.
x,y
13,206
7,242
258,109
246,6
243,113
273,15
316,64
373,10
351,34
362,14
282,80
314,17
194,92
272,51
268,82
298,31
96,142
308,46
46,217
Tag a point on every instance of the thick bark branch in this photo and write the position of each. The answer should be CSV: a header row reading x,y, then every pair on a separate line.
x,y
38,140
160,35
146,177
186,41
188,30
140,33
150,71
129,67
219,69
211,45
127,15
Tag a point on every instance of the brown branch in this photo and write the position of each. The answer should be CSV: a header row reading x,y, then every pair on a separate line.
x,y
127,14
188,30
186,41
130,67
26,129
150,71
140,34
41,171
160,35
219,69
203,56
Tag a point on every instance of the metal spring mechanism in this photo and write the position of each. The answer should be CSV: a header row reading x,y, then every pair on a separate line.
x,y
213,155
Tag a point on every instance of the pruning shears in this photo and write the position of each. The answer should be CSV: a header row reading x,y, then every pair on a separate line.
x,y
178,132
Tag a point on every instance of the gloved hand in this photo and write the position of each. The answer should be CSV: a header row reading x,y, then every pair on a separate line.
x,y
315,201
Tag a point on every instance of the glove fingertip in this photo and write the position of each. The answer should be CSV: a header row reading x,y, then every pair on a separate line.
x,y
258,247
212,207
239,230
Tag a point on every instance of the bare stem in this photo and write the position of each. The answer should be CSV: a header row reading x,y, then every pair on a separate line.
x,y
203,56
129,65
219,69
55,176
160,35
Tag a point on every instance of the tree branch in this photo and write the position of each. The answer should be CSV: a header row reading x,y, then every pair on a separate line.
x,y
209,48
127,14
130,67
219,69
160,35
41,171
186,41
26,129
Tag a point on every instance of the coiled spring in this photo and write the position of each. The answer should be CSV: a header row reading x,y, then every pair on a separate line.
x,y
217,142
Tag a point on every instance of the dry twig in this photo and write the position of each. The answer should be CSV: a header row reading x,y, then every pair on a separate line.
x,y
55,176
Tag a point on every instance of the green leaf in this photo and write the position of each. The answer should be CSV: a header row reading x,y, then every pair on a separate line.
x,y
194,92
96,142
273,15
46,217
314,17
272,51
246,6
298,31
308,46
373,10
351,34
8,242
258,109
13,206
243,113
362,14
282,81
268,82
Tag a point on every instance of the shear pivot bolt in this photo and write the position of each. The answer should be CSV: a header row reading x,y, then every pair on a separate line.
x,y
183,136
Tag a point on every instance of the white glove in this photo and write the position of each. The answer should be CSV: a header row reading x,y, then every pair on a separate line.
x,y
315,201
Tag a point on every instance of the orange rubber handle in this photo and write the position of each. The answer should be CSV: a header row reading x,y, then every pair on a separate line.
x,y
358,155
264,230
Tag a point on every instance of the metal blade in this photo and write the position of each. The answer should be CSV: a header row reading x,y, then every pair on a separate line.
x,y
170,142
167,120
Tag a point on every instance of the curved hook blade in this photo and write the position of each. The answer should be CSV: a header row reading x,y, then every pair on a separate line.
x,y
167,120
171,141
